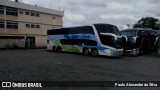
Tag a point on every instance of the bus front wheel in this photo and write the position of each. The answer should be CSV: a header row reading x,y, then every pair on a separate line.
x,y
85,51
94,52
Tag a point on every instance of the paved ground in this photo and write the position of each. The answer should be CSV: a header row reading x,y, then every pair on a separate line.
x,y
42,65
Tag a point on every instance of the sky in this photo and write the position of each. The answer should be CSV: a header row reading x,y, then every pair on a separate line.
x,y
117,12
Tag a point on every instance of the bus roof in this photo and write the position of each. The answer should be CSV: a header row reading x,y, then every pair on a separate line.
x,y
79,26
66,27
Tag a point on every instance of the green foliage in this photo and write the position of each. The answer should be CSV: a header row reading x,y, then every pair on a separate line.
x,y
148,22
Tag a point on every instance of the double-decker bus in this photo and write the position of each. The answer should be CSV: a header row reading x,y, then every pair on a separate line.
x,y
96,39
139,41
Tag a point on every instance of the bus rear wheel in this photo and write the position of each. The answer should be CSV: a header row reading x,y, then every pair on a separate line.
x,y
53,48
94,52
85,51
59,49
137,52
158,51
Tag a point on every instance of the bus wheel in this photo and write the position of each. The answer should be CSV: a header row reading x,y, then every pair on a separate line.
x,y
53,48
94,52
85,51
59,49
137,53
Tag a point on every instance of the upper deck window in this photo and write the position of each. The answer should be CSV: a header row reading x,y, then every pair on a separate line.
x,y
146,32
72,30
106,28
81,30
129,33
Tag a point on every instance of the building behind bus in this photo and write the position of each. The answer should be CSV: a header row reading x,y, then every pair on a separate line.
x,y
26,24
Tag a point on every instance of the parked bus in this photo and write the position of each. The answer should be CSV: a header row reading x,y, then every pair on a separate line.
x,y
139,41
96,39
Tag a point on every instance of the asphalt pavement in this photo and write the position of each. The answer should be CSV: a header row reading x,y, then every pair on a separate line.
x,y
42,65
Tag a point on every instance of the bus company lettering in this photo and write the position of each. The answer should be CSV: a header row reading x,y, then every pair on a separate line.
x,y
19,84
83,36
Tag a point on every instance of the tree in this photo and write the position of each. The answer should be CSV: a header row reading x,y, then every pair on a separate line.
x,y
148,22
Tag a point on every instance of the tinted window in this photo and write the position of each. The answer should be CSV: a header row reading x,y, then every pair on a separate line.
x,y
153,32
12,25
106,40
58,31
129,33
12,12
37,26
78,42
32,14
28,25
106,28
110,41
27,13
32,26
75,30
81,30
146,32
1,24
1,10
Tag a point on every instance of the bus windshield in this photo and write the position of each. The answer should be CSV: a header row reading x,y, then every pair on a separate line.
x,y
107,28
107,39
110,41
146,32
129,33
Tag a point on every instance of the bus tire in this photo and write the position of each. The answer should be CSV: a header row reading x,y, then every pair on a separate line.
x,y
140,52
137,52
94,52
59,49
54,48
85,51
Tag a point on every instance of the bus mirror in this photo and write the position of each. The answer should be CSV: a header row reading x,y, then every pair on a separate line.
x,y
124,38
110,34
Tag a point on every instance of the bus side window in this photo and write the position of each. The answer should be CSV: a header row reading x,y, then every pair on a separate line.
x,y
81,30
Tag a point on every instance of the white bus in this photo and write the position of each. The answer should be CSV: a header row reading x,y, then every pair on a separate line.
x,y
96,39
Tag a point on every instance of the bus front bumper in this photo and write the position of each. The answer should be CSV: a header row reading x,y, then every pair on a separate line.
x,y
132,52
114,52
117,52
